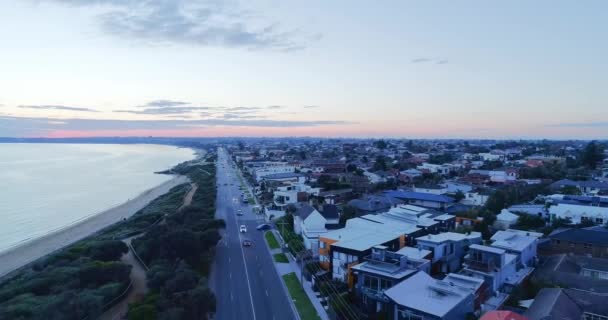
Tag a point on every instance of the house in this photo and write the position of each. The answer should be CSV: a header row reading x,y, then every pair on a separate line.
x,y
475,199
341,249
557,303
523,244
285,177
505,219
429,220
579,213
585,187
454,187
438,190
538,210
331,214
447,249
292,194
310,224
260,172
426,200
336,196
495,266
373,204
580,242
423,297
575,272
382,270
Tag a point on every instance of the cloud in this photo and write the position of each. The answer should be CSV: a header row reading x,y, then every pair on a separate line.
x,y
164,104
193,22
163,110
24,126
429,60
275,107
52,107
311,107
597,124
421,60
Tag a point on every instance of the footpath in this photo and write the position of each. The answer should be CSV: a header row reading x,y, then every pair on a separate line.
x,y
293,267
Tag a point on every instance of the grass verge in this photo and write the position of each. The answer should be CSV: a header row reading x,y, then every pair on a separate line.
x,y
305,308
280,257
271,240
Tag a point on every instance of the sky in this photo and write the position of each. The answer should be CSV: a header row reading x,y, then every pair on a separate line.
x,y
403,69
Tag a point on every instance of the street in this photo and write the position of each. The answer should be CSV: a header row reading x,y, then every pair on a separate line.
x,y
244,279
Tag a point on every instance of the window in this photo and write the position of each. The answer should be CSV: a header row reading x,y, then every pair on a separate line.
x,y
592,316
385,284
599,221
587,245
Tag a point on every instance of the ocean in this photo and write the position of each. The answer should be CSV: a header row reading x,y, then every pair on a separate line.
x,y
47,187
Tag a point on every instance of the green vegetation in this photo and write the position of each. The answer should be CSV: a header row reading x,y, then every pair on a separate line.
x,y
81,280
305,308
272,241
179,252
280,257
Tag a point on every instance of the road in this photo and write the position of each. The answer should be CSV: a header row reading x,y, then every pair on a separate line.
x,y
245,281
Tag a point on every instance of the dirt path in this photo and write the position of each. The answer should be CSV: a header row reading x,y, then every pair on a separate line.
x,y
138,273
189,195
138,290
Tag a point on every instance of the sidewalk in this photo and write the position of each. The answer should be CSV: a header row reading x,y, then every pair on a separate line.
x,y
292,266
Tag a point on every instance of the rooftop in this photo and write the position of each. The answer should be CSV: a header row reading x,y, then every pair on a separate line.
x,y
435,297
448,236
487,249
414,253
582,236
512,240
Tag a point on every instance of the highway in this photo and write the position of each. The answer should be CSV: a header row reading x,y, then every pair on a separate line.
x,y
244,279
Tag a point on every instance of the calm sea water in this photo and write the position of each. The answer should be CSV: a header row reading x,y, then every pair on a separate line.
x,y
45,187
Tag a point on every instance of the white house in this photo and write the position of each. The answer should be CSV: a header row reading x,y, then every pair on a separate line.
x,y
505,219
579,213
260,173
474,199
523,244
293,193
311,223
494,265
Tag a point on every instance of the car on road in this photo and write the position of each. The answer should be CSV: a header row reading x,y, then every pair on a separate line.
x,y
264,226
239,212
243,228
247,243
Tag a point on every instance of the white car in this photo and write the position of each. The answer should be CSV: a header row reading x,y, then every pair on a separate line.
x,y
243,228
239,212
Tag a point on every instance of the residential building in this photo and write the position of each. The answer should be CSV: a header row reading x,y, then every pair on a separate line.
x,y
292,194
579,213
311,223
429,220
374,204
381,271
421,297
495,266
575,272
558,303
262,172
475,199
505,219
580,242
589,187
426,200
447,249
523,244
502,315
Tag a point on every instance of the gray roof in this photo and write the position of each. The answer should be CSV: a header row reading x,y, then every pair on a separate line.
x,y
582,236
589,301
553,304
304,211
565,271
330,211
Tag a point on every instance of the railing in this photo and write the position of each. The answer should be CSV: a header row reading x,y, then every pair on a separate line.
x,y
114,301
481,266
374,294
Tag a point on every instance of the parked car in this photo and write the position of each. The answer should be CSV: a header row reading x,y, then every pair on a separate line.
x,y
239,212
264,226
243,228
247,243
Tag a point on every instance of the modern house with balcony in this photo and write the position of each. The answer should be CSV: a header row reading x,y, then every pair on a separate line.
x,y
447,249
496,267
426,200
379,272
292,194
343,248
421,297
429,220
523,244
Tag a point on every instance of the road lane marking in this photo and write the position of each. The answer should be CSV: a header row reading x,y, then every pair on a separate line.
x,y
267,293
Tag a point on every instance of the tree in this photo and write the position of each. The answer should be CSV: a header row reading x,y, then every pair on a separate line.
x,y
381,144
380,164
348,212
351,167
459,195
592,154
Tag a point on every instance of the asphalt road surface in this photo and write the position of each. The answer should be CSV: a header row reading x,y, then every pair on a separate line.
x,y
244,279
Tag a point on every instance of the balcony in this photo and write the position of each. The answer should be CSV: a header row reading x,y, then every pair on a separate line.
x,y
488,266
374,294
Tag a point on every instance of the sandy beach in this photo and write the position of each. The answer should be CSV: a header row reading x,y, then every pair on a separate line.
x,y
29,251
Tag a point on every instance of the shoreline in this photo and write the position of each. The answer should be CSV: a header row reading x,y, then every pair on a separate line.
x,y
29,251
